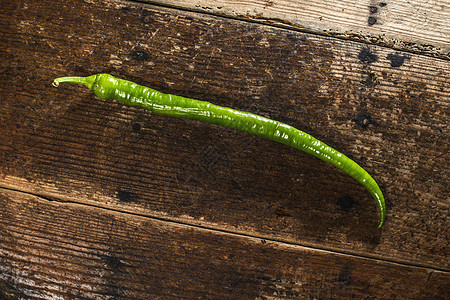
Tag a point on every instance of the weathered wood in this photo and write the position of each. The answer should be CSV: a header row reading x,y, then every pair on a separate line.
x,y
387,110
411,25
51,250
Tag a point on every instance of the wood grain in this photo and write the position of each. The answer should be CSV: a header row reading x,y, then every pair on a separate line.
x,y
51,250
387,110
412,25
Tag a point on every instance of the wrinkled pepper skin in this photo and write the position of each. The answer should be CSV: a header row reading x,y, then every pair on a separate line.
x,y
106,86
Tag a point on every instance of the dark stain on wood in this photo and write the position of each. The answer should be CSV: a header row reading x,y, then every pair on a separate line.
x,y
126,196
367,56
113,275
363,120
146,18
396,59
113,262
136,127
371,20
347,203
140,55
124,9
345,277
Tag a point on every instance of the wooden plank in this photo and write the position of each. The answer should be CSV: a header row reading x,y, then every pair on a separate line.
x,y
409,25
387,110
52,250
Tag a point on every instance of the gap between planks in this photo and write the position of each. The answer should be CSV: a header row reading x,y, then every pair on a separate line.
x,y
285,24
64,200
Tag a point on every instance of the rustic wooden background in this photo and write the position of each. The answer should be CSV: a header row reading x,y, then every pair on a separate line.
x,y
104,201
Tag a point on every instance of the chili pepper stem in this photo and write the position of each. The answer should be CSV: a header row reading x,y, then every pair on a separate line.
x,y
86,81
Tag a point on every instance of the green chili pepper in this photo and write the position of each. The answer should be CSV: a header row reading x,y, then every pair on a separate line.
x,y
106,86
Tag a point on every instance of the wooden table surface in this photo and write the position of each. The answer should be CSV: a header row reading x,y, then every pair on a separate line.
x,y
99,200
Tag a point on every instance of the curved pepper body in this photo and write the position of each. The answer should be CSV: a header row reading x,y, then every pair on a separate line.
x,y
106,86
